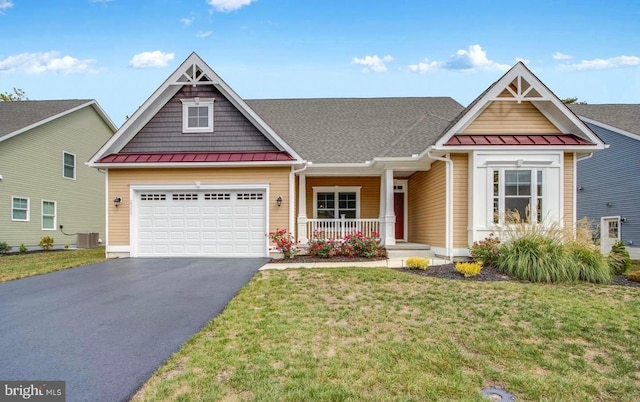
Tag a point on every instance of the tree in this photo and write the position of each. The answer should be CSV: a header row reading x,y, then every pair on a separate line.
x,y
572,101
17,95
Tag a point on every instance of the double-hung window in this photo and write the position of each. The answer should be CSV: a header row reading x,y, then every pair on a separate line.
x,y
336,202
197,115
517,195
48,215
68,165
19,209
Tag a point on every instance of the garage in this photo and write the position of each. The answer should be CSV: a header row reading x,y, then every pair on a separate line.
x,y
200,223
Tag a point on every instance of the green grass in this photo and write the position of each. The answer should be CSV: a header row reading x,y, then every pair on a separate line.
x,y
16,266
382,335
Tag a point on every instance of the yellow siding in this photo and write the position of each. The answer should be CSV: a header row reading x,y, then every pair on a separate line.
x,y
460,200
427,202
121,179
369,192
509,117
568,190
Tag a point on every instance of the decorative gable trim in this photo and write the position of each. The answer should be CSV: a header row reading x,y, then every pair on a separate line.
x,y
519,85
193,71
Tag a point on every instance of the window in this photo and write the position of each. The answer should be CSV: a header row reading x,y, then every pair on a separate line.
x,y
197,115
68,165
19,209
336,202
517,195
48,215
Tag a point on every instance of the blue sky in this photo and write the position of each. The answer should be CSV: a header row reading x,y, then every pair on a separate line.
x,y
119,51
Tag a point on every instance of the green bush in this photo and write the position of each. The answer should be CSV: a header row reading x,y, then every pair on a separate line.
x,y
417,263
592,266
4,247
486,251
46,243
22,248
619,259
469,269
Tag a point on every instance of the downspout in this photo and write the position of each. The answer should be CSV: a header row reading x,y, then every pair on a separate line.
x,y
448,202
292,197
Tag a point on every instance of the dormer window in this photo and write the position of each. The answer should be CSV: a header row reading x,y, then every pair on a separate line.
x,y
197,115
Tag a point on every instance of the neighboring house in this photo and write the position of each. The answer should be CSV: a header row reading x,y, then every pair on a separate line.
x,y
608,184
44,180
199,171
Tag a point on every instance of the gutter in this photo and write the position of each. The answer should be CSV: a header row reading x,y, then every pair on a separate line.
x,y
448,201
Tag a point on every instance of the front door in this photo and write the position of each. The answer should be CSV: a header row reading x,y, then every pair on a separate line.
x,y
398,208
609,233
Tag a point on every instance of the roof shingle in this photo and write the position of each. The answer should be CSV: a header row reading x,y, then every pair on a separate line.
x,y
16,115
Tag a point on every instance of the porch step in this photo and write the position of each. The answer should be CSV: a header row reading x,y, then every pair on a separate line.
x,y
406,250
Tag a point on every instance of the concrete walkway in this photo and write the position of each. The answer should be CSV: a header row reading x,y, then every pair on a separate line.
x,y
389,263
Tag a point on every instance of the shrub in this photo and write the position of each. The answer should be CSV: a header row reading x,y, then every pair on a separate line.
x,y
592,266
22,248
634,276
417,263
46,243
468,269
352,245
486,251
284,243
321,247
4,247
619,259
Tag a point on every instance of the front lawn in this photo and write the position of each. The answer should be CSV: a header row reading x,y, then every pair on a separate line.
x,y
380,335
16,266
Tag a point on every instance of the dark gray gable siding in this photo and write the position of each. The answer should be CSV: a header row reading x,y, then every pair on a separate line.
x,y
612,175
232,132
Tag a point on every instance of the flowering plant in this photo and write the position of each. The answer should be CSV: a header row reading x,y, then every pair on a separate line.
x,y
284,242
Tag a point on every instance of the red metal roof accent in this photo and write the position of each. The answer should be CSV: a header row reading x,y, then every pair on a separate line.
x,y
517,140
191,157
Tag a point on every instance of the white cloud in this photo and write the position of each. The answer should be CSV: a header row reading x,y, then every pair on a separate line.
x,y
4,5
561,56
201,34
101,1
151,59
373,63
225,6
604,64
48,62
187,21
471,59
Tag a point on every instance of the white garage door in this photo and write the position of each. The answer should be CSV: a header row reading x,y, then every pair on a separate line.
x,y
200,223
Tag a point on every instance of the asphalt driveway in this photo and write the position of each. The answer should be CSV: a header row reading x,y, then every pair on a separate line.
x,y
105,328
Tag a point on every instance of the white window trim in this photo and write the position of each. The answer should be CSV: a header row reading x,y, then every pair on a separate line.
x,y
55,215
336,190
28,209
75,172
199,102
501,193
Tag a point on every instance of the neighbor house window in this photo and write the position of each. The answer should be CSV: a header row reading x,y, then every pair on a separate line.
x,y
48,215
517,195
197,115
19,209
336,202
68,165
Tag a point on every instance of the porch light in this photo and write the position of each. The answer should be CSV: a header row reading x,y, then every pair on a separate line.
x,y
279,200
117,201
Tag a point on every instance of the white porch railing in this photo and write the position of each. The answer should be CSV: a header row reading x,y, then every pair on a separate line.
x,y
338,228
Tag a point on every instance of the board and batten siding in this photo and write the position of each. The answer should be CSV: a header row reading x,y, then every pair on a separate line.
x,y
509,117
427,206
231,130
460,200
31,166
568,186
612,176
369,192
120,180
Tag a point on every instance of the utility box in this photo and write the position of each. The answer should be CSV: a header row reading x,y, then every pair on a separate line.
x,y
88,240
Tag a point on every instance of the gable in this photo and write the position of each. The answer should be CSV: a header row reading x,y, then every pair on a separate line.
x,y
233,132
508,117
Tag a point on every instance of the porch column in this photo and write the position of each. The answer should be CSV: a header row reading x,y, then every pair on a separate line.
x,y
389,213
302,209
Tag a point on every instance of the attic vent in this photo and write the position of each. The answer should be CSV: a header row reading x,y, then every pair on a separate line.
x,y
185,197
217,196
250,196
153,197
